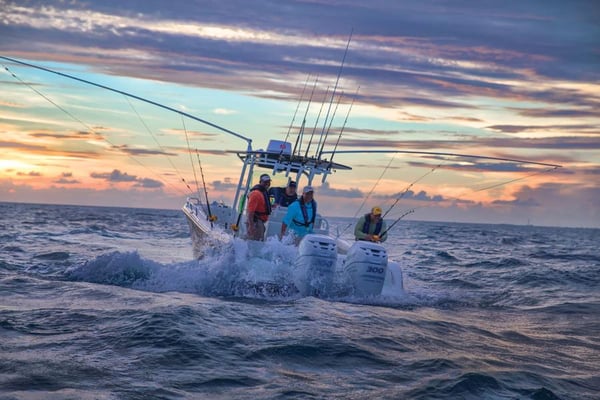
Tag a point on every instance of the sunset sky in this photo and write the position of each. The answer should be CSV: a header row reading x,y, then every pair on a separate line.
x,y
507,79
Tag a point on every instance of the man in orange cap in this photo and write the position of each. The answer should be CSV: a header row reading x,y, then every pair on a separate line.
x,y
371,227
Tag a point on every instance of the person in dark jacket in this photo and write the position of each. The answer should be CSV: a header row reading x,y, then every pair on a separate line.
x,y
284,196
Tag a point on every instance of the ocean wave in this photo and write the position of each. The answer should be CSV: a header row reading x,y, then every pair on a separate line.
x,y
116,268
477,385
53,256
545,255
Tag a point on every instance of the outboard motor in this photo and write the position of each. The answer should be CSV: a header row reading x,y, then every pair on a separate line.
x,y
314,269
365,267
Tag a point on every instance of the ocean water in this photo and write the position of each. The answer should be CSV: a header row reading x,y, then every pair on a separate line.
x,y
107,303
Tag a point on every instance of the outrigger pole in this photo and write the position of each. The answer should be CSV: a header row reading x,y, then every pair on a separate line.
x,y
432,153
133,96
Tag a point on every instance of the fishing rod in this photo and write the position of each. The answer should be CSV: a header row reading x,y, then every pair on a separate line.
x,y
331,121
297,108
133,96
344,124
395,222
316,123
301,132
318,156
211,217
190,153
408,188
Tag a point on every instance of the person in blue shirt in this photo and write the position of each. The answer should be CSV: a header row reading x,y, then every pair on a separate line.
x,y
300,216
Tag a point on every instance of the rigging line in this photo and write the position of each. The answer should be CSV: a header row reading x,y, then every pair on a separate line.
x,y
70,115
153,137
297,108
408,188
240,136
316,123
333,93
369,194
492,186
190,153
374,186
515,180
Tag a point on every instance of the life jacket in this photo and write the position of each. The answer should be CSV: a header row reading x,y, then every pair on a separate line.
x,y
365,228
281,198
306,222
265,194
286,200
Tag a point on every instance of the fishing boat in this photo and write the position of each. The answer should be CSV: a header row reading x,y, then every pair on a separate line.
x,y
322,259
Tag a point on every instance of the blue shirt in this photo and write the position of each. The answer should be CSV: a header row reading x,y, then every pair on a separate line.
x,y
294,212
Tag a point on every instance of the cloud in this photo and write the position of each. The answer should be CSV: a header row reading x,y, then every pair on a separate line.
x,y
327,190
518,202
30,173
144,152
223,111
226,185
64,181
118,197
114,176
558,113
148,183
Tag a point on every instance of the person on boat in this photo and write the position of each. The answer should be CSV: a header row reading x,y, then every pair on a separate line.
x,y
371,227
259,208
300,216
284,196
